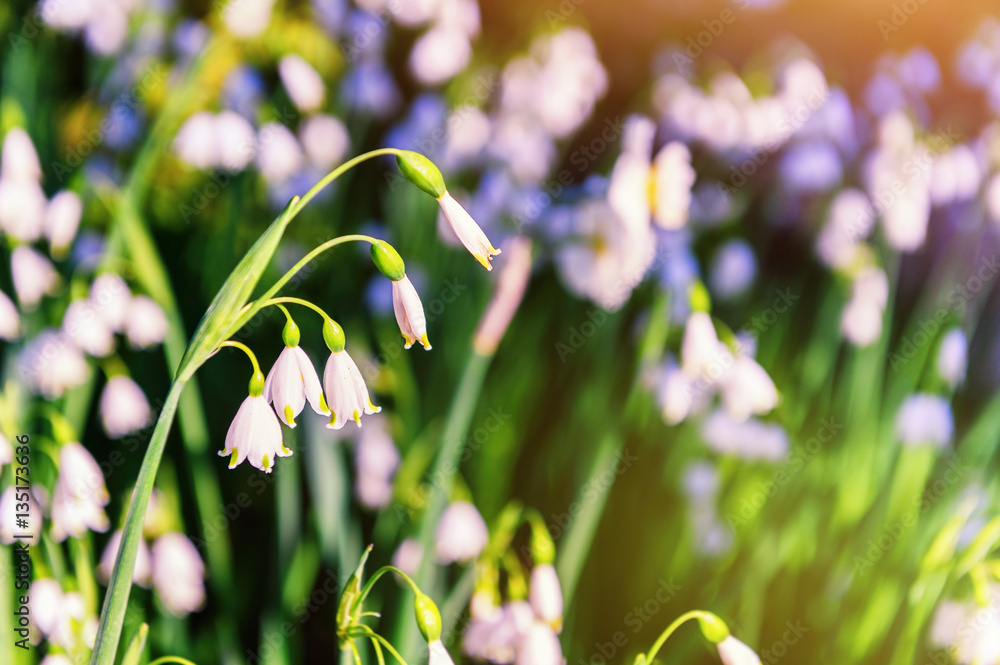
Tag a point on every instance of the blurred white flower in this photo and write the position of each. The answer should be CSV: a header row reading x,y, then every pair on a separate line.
x,y
142,571
673,179
178,574
734,652
849,221
955,176
324,139
22,209
279,156
497,635
972,630
33,275
701,351
80,495
545,595
861,320
87,329
539,646
110,297
302,82
54,612
124,408
952,357
107,30
346,393
9,527
408,556
439,54
255,435
10,319
676,394
62,219
145,322
749,439
50,364
811,166
247,18
733,270
196,142
6,451
409,313
461,534
56,659
468,231
18,159
291,381
235,141
924,418
746,389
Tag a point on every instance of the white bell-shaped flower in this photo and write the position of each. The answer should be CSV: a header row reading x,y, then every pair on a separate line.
x,y
33,276
291,382
62,219
255,435
346,392
124,408
18,159
925,419
80,494
461,534
110,297
10,319
22,209
438,654
497,635
303,83
145,323
142,571
87,330
539,646
178,573
734,652
50,364
467,230
746,389
545,595
409,313
700,348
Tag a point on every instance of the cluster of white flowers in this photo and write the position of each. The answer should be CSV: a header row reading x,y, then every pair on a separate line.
x,y
80,495
104,25
60,616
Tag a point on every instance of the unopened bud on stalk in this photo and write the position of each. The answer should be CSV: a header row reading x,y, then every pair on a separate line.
x,y
257,384
387,260
333,335
290,333
712,627
428,618
421,172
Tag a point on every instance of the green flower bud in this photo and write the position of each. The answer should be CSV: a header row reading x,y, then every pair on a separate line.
x,y
387,260
290,333
712,627
333,335
257,384
428,617
699,299
421,172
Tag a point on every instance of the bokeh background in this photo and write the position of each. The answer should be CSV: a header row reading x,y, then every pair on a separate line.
x,y
797,544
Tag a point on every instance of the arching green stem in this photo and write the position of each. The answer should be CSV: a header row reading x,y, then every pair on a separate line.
x,y
362,630
295,301
172,659
665,635
336,173
245,349
367,588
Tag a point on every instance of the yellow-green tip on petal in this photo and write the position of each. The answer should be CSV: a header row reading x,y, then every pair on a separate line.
x,y
266,464
322,404
289,415
357,417
233,461
371,405
425,342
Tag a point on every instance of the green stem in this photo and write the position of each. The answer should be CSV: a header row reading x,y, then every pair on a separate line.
x,y
336,173
296,301
113,614
172,659
245,349
365,631
367,588
665,635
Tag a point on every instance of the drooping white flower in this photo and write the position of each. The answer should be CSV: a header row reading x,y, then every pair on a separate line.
x,y
50,364
734,652
467,230
18,159
346,392
409,313
11,530
673,178
110,297
303,83
142,571
22,209
324,139
255,435
408,556
952,358
80,494
461,534
924,418
87,329
178,573
145,322
746,389
291,381
280,155
62,219
545,595
676,394
33,276
54,611
539,646
437,654
496,636
124,408
749,439
10,319
700,346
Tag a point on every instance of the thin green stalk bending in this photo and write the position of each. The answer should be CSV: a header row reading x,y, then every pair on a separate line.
x,y
672,628
296,301
172,659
